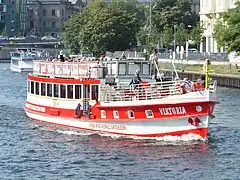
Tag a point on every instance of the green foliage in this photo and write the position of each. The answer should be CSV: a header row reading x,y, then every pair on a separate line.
x,y
181,34
226,31
196,34
167,35
102,27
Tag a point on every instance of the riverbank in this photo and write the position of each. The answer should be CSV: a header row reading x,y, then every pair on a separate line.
x,y
226,75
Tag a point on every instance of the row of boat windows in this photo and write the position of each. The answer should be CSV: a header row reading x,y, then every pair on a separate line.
x,y
131,115
15,62
64,91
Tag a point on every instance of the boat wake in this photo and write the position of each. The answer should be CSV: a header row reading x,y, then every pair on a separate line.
x,y
183,138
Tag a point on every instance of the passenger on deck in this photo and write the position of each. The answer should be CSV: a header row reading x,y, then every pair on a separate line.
x,y
136,80
186,85
61,56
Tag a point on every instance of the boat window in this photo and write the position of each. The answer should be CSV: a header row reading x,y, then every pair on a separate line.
x,y
43,89
122,69
29,86
55,90
78,91
103,114
115,114
32,87
149,114
62,91
49,90
133,67
145,69
37,88
86,91
112,68
70,91
131,114
94,92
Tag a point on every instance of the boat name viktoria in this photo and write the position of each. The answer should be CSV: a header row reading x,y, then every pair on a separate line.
x,y
36,108
108,126
172,111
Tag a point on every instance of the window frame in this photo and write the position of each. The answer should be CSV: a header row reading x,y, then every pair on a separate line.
x,y
114,115
103,114
128,112
146,113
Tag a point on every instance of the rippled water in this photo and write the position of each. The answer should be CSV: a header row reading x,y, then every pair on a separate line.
x,y
36,151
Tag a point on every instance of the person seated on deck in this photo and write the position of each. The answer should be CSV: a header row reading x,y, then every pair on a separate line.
x,y
136,80
186,85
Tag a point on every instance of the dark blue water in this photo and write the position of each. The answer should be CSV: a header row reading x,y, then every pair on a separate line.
x,y
36,151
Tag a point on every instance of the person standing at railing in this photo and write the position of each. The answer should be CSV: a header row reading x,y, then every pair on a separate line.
x,y
136,80
61,56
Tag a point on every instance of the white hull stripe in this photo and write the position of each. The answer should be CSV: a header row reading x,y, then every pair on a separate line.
x,y
134,128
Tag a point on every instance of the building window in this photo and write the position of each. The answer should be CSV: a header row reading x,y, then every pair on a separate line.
x,y
12,29
1,1
115,114
53,12
103,114
44,12
44,24
149,114
62,12
13,2
2,17
131,114
53,24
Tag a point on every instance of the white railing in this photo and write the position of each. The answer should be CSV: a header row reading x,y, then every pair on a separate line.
x,y
66,69
148,91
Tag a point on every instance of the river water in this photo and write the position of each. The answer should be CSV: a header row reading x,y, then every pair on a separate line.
x,y
36,151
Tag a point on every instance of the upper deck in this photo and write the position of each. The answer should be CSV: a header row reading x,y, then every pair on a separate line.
x,y
75,70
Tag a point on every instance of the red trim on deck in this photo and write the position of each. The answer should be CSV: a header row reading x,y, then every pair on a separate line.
x,y
63,81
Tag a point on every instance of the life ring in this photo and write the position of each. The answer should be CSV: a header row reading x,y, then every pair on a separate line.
x,y
78,111
197,86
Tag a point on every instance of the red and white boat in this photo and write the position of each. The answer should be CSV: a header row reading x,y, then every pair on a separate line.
x,y
76,94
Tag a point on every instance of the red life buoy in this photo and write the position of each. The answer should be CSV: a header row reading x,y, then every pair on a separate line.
x,y
197,86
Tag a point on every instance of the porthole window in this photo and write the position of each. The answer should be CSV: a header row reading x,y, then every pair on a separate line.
x,y
103,114
149,114
115,114
131,114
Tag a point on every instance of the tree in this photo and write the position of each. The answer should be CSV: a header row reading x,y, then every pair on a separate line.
x,y
226,31
181,34
196,34
100,28
167,35
173,12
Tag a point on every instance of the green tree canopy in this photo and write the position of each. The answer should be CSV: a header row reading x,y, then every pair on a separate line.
x,y
167,35
226,31
102,27
196,34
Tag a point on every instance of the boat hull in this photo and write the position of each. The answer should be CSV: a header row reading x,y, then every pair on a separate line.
x,y
151,128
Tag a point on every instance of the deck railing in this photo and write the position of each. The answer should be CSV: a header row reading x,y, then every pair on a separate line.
x,y
66,69
147,91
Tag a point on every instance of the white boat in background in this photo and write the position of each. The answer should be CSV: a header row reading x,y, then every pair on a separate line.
x,y
22,59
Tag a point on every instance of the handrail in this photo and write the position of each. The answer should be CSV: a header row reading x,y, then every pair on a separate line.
x,y
148,91
66,69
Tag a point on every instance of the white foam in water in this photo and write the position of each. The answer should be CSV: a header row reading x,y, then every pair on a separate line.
x,y
184,138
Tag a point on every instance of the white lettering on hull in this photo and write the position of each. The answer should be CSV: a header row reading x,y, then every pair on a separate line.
x,y
107,126
172,111
35,108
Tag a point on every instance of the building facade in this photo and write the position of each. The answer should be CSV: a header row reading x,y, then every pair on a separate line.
x,y
47,17
13,17
210,11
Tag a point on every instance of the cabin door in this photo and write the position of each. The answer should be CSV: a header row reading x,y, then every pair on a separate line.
x,y
86,99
